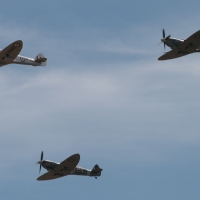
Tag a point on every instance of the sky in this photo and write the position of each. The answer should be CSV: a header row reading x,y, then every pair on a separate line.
x,y
104,95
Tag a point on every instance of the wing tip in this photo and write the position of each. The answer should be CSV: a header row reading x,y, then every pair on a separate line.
x,y
76,154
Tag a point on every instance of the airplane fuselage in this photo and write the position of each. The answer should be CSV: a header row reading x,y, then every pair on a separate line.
x,y
50,166
20,60
173,42
25,61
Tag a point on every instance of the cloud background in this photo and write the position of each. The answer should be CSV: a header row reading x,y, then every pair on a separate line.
x,y
103,94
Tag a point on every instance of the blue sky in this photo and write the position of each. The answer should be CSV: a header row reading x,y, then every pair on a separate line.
x,y
103,94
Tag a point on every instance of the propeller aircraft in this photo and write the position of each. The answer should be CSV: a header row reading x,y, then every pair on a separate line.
x,y
180,47
66,167
10,55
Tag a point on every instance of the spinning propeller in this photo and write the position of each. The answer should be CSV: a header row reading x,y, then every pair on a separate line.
x,y
164,39
41,159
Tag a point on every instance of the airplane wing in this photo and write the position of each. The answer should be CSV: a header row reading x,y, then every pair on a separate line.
x,y
8,54
68,164
175,53
49,176
192,42
63,169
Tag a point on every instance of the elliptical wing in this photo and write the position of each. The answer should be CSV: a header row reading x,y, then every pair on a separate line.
x,y
8,54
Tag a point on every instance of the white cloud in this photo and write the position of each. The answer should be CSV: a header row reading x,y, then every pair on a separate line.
x,y
110,107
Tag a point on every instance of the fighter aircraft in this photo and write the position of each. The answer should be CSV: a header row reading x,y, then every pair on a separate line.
x,y
66,167
180,47
10,55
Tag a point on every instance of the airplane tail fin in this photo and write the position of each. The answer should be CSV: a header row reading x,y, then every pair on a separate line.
x,y
96,171
41,59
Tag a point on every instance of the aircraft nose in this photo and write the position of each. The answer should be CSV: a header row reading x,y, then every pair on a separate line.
x,y
162,40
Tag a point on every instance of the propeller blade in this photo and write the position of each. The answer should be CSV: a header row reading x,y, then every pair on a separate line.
x,y
41,158
164,38
163,33
40,168
167,37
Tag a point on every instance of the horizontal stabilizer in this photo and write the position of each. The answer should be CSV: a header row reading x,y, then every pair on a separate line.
x,y
41,60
